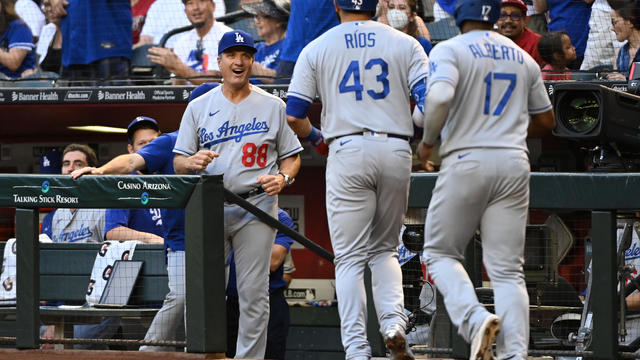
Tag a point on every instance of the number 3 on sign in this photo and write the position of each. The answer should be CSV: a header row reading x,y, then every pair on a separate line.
x,y
252,154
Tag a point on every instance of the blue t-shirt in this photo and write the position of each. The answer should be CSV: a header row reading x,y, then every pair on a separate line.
x,y
145,220
426,44
622,62
18,36
308,20
268,55
276,280
158,156
447,5
95,30
571,16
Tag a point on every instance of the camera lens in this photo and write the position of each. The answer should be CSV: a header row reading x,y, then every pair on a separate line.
x,y
579,111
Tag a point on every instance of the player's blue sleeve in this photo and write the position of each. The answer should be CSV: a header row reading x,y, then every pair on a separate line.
x,y
418,92
281,238
297,107
47,223
115,218
157,153
201,90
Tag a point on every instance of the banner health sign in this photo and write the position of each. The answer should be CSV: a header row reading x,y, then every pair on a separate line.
x,y
131,191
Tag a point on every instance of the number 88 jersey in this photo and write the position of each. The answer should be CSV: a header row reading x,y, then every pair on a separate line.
x,y
497,86
250,136
363,72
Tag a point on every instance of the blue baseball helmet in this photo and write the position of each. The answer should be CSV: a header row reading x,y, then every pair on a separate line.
x,y
478,10
358,5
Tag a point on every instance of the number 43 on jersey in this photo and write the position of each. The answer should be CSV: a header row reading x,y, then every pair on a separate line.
x,y
351,79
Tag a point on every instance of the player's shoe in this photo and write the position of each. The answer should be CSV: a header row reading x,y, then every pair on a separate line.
x,y
397,344
482,344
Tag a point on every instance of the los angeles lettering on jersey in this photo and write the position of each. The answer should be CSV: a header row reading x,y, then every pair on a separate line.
x,y
234,132
360,40
82,233
501,52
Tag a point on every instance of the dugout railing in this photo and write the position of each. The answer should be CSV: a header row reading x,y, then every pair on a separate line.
x,y
203,198
603,194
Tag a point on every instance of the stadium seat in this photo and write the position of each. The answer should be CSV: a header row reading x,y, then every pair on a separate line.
x,y
442,29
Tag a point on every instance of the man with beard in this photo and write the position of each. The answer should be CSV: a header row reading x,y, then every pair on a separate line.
x,y
512,24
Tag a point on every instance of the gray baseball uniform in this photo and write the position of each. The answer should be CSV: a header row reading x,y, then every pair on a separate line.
x,y
364,85
484,180
250,137
81,225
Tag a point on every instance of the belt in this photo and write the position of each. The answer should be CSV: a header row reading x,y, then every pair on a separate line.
x,y
374,134
248,194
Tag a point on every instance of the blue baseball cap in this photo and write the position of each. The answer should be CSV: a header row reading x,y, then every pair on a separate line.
x,y
51,162
201,90
139,122
236,38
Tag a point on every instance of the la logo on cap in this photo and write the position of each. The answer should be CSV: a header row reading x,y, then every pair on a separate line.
x,y
239,38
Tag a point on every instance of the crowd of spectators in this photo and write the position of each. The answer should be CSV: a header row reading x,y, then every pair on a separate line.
x,y
93,43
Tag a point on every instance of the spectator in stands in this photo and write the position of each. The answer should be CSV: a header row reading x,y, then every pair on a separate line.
x,y
557,51
571,16
49,48
139,9
96,39
143,225
271,17
197,50
512,24
17,57
443,9
536,21
278,327
308,20
601,43
625,22
166,15
31,14
402,15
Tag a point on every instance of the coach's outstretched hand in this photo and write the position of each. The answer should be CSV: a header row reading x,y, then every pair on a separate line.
x,y
424,153
200,160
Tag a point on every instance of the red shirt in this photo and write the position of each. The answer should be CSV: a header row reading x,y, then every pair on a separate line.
x,y
551,74
528,41
139,12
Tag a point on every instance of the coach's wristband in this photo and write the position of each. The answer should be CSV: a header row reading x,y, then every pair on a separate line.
x,y
315,137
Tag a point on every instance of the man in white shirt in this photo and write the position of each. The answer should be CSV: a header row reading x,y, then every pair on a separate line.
x,y
197,50
166,15
31,14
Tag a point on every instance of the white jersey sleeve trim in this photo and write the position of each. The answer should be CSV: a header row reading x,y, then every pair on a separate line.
x,y
417,79
540,110
290,153
300,96
181,152
22,45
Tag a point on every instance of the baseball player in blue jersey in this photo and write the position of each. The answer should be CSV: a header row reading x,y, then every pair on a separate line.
x,y
157,157
482,92
143,225
240,131
364,84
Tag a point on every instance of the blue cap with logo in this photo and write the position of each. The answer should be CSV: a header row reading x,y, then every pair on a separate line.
x,y
51,162
236,38
138,123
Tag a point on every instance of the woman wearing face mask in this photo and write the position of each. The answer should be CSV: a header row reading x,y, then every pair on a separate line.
x,y
402,15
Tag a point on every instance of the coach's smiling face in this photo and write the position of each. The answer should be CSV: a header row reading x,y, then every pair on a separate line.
x,y
235,65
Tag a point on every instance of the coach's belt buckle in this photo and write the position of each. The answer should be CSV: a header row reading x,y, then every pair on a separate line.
x,y
374,134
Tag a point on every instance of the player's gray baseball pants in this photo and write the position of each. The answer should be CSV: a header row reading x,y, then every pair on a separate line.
x,y
172,315
251,240
486,188
367,189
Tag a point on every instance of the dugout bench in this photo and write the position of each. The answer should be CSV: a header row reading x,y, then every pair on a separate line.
x,y
65,269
